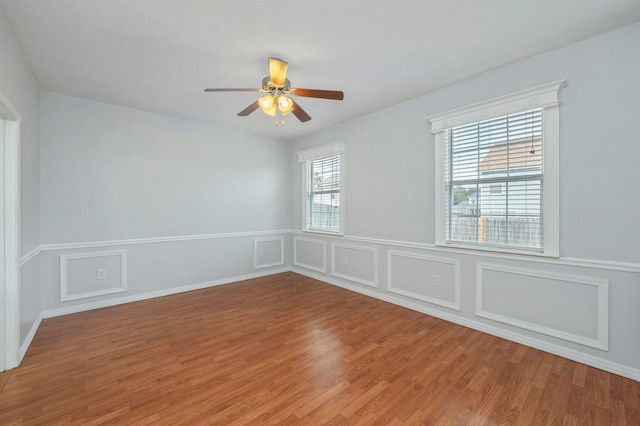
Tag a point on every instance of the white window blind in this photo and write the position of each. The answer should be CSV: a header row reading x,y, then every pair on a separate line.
x,y
494,182
323,194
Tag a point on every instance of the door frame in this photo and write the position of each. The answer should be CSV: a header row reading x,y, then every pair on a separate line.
x,y
10,279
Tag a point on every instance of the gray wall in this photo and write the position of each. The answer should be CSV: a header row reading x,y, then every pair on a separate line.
x,y
111,173
18,85
186,201
390,158
390,180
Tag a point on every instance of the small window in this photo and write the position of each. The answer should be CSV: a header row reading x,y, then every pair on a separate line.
x,y
323,195
496,188
497,177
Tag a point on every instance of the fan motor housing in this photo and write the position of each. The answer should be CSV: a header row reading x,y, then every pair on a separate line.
x,y
269,86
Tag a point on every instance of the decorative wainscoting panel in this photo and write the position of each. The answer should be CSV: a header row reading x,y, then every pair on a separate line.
x,y
355,263
84,275
310,254
568,307
431,279
268,252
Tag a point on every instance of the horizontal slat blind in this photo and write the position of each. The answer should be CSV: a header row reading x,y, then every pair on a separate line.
x,y
493,182
323,194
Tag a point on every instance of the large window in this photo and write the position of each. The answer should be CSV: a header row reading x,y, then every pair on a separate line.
x,y
497,173
493,182
323,195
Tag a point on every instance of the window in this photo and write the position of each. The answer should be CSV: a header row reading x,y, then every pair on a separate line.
x,y
323,194
481,158
496,173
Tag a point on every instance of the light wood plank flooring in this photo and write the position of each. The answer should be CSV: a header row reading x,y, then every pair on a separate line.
x,y
287,349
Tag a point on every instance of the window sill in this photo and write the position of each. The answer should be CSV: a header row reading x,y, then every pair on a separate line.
x,y
314,231
498,250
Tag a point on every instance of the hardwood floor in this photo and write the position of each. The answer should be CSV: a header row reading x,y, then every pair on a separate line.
x,y
287,349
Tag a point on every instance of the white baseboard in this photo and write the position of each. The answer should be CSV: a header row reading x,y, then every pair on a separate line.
x,y
29,338
593,361
135,298
151,295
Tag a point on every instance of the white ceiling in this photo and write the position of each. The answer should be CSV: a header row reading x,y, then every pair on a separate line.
x,y
159,55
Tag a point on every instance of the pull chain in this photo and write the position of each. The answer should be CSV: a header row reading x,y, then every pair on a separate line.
x,y
276,114
533,151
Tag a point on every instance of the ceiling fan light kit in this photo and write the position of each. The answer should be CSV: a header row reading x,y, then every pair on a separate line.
x,y
272,105
277,101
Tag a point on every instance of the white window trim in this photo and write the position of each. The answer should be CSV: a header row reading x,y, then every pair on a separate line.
x,y
334,148
545,97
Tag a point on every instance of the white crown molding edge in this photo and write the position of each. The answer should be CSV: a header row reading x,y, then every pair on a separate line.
x,y
574,355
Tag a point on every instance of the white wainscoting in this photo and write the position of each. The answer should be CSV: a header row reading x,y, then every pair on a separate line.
x,y
268,252
79,279
309,253
355,263
569,307
428,278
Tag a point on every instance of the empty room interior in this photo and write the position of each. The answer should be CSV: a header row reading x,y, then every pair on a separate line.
x,y
286,212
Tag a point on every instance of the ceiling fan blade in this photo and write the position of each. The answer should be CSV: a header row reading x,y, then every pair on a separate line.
x,y
299,112
248,110
277,71
316,93
231,90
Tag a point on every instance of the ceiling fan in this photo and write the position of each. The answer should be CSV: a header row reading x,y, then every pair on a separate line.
x,y
277,88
